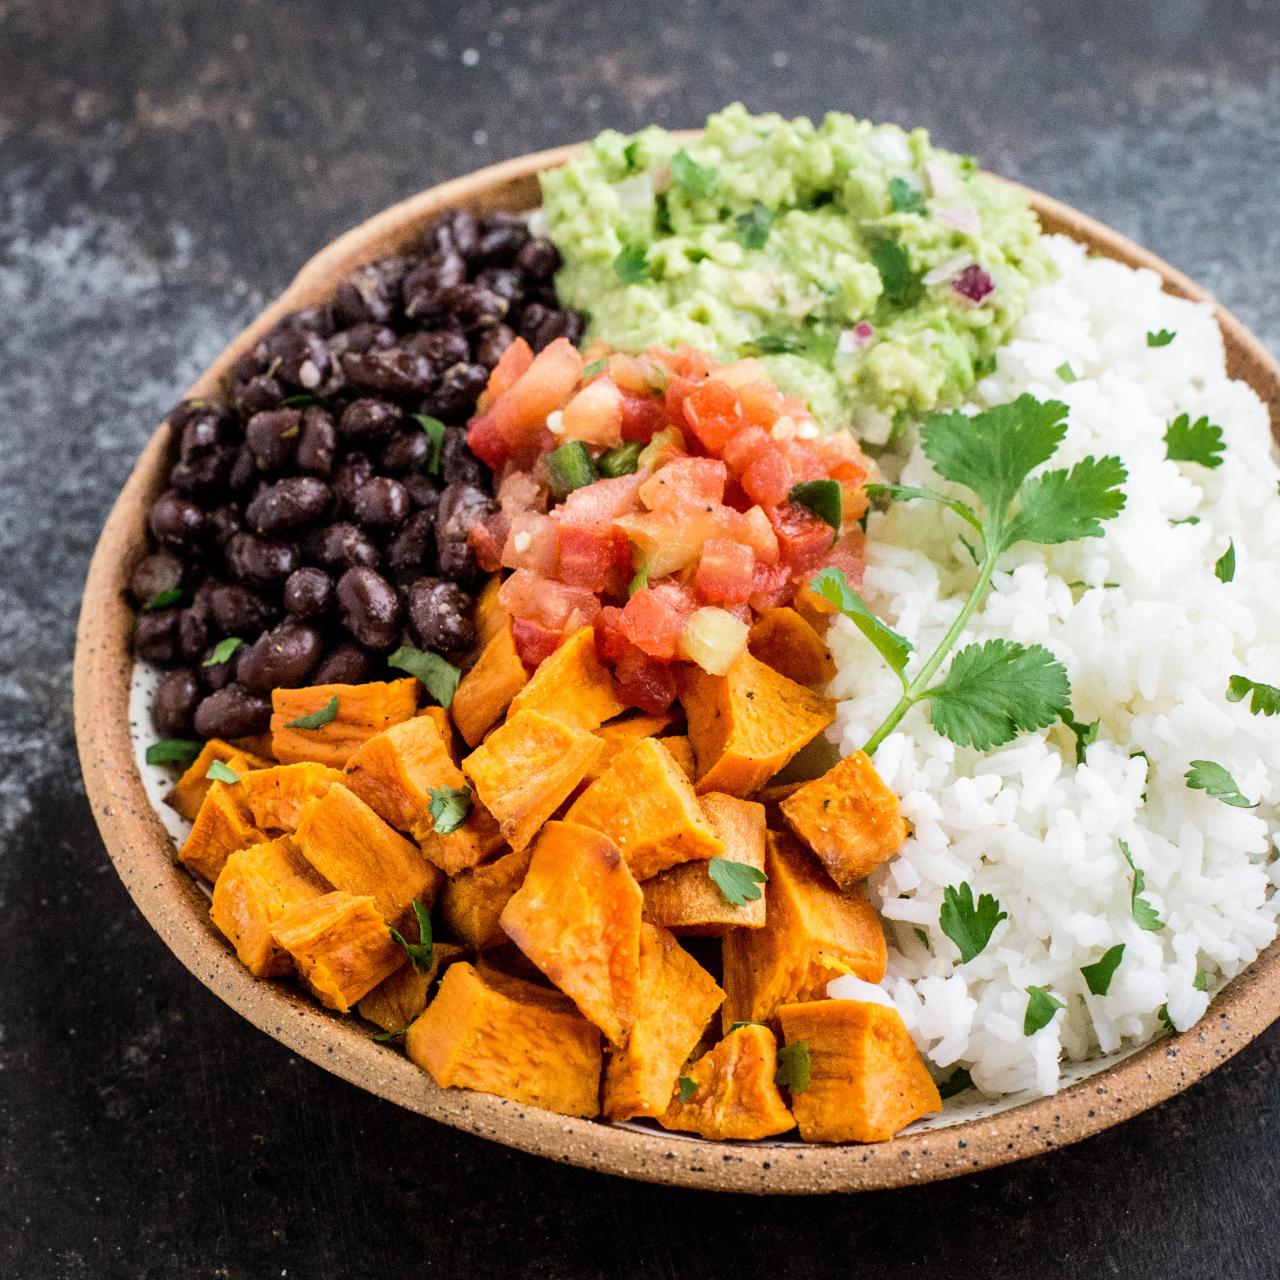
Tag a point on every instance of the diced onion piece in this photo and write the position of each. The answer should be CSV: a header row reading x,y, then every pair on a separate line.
x,y
947,269
963,217
713,638
942,182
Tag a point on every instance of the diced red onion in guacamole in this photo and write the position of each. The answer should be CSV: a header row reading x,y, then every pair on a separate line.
x,y
963,217
973,284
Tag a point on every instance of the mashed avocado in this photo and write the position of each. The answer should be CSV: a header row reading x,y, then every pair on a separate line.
x,y
873,274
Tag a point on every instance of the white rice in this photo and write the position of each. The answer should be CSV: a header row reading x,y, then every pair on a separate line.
x,y
1150,657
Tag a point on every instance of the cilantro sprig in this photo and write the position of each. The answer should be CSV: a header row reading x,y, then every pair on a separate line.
x,y
1145,916
449,807
1098,975
795,1070
1212,778
996,690
739,882
1264,699
420,952
968,925
1042,1006
1199,441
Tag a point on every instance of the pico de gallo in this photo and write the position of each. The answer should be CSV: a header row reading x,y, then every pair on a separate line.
x,y
662,498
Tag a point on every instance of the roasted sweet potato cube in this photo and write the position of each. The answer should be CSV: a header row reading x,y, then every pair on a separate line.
x,y
573,685
867,1079
577,917
526,768
646,805
256,746
439,716
485,692
746,724
471,902
625,732
188,793
397,1000
849,818
340,945
255,888
357,852
277,796
473,1036
674,1002
734,1095
783,640
682,753
223,825
686,900
489,614
363,710
813,932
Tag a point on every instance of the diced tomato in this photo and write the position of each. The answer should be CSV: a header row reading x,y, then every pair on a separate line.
x,y
752,527
552,604
486,441
652,622
534,642
643,416
514,421
761,403
512,364
711,408
594,415
611,643
532,543
688,362
518,491
604,500
742,373
486,539
744,447
594,556
671,539
725,572
770,586
644,682
695,481
804,540
848,555
768,479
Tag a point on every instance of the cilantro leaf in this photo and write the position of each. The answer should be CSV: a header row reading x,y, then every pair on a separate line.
x,y
307,400
905,198
1086,734
1224,568
449,807
906,492
699,180
1160,338
592,367
317,719
1061,506
385,1037
738,881
1145,916
794,1068
1199,441
831,585
434,430
1209,776
1264,699
753,227
1098,975
776,344
438,677
220,771
639,581
1201,980
959,1081
631,265
745,1022
162,600
893,263
1042,1005
1163,1014
822,497
969,927
1067,373
993,452
688,1087
997,690
181,751
419,952
222,651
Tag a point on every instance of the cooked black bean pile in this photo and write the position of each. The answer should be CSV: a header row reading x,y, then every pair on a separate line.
x,y
311,514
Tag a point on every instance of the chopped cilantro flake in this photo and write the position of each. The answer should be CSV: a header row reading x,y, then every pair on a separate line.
x,y
970,927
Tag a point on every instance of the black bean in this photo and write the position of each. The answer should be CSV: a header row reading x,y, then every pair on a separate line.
x,y
380,503
258,393
454,397
393,371
554,324
244,471
289,504
295,356
500,242
153,574
177,522
245,366
423,491
405,452
371,292
317,442
531,319
474,306
258,561
345,663
461,506
314,319
437,271
370,608
193,634
539,258
454,229
409,552
220,674
281,658
272,437
223,523
232,712
369,420
237,611
155,637
189,410
442,347
203,478
458,463
340,546
202,598
174,707
365,336
506,282
201,433
308,593
490,343
441,615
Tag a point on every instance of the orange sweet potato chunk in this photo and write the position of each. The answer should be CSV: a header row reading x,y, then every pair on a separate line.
x,y
471,902
686,900
397,1000
223,825
490,616
363,710
340,945
783,640
646,805
277,796
867,1080
188,793
748,723
474,1036
577,917
849,818
813,932
524,771
439,716
573,685
485,692
674,1002
254,889
682,753
735,1096
625,732
356,851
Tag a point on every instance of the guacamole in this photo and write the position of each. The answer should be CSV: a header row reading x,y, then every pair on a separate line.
x,y
874,275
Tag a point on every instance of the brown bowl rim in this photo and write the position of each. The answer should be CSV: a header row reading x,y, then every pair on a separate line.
x,y
177,909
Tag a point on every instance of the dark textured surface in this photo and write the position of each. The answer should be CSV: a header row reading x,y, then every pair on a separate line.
x,y
164,168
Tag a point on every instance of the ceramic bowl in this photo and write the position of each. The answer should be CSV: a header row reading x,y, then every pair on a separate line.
x,y
965,1138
